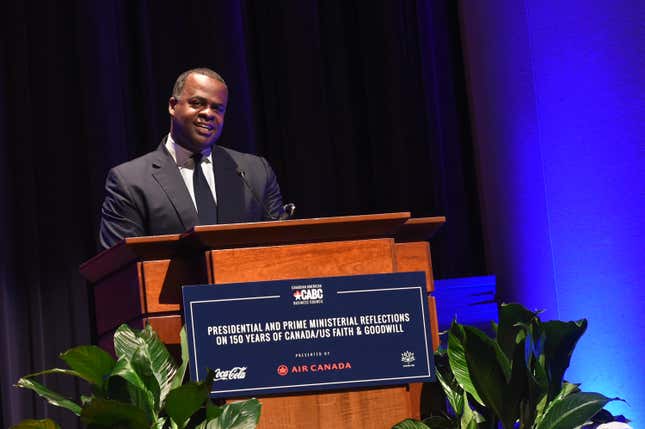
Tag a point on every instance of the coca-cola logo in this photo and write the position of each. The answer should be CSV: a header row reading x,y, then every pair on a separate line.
x,y
236,373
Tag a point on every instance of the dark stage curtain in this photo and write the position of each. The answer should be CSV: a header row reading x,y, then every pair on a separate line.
x,y
359,105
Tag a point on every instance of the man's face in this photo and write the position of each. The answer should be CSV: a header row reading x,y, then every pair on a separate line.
x,y
197,115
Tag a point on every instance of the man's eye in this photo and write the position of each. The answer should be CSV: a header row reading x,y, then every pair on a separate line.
x,y
197,103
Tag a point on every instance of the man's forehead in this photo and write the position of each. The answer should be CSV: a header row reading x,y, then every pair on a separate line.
x,y
204,80
204,86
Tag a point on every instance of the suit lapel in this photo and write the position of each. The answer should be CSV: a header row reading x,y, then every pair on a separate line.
x,y
229,188
167,175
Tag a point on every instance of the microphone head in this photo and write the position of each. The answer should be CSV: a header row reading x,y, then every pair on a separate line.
x,y
287,211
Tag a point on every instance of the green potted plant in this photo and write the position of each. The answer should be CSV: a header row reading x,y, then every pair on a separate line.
x,y
143,388
515,380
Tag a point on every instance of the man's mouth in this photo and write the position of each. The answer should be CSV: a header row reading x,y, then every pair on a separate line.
x,y
206,127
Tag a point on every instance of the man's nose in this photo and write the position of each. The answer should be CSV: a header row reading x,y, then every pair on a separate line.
x,y
207,112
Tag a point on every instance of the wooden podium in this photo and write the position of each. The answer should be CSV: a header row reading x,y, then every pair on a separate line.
x,y
138,281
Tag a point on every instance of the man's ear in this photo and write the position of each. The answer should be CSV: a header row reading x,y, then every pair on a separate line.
x,y
172,102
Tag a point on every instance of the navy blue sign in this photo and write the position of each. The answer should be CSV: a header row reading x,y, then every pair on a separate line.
x,y
311,334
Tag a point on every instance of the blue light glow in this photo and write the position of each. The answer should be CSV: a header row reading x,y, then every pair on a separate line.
x,y
585,153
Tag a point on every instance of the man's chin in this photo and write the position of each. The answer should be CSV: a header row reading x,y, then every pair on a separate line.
x,y
202,143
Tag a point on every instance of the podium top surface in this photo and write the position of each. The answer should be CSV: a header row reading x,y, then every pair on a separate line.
x,y
395,225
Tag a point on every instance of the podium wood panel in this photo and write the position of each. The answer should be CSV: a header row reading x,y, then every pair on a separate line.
x,y
386,406
342,258
138,281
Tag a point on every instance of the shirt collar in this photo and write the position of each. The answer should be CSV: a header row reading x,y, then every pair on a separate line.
x,y
182,156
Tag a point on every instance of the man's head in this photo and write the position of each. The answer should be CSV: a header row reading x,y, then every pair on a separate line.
x,y
197,108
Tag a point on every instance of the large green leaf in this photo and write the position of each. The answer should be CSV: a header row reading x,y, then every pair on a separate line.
x,y
540,409
511,318
108,413
518,382
91,363
212,411
573,410
454,393
441,422
54,371
139,393
36,424
410,424
52,397
561,340
568,389
181,371
163,366
237,415
160,423
143,365
457,359
469,419
184,401
490,371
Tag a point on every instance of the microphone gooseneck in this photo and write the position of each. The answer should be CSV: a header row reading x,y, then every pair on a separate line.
x,y
287,210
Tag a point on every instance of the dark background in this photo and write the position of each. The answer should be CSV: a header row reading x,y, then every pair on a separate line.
x,y
360,107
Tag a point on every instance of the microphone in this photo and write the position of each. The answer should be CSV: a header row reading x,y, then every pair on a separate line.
x,y
287,210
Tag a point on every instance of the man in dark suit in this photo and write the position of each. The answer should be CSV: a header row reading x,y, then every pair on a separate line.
x,y
189,180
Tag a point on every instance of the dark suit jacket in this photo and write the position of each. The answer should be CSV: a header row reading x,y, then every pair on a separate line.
x,y
147,196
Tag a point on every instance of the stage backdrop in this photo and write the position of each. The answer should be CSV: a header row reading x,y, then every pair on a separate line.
x,y
359,105
558,101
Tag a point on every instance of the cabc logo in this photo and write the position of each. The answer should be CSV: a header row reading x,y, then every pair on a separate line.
x,y
307,294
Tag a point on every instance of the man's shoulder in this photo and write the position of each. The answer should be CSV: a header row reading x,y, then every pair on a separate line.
x,y
232,159
151,159
235,154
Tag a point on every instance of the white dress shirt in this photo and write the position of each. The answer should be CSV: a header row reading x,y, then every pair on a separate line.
x,y
186,164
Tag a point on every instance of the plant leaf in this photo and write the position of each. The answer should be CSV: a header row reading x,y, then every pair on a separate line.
x,y
92,363
568,389
184,401
237,415
54,371
457,359
108,413
159,423
511,317
518,384
185,358
142,363
561,340
410,424
127,342
454,394
441,422
36,424
572,410
164,367
139,393
490,371
212,411
52,397
468,418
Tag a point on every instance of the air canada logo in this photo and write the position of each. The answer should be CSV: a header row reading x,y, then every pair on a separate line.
x,y
307,294
235,373
314,367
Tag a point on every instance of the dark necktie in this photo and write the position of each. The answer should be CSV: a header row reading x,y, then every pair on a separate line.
x,y
206,207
